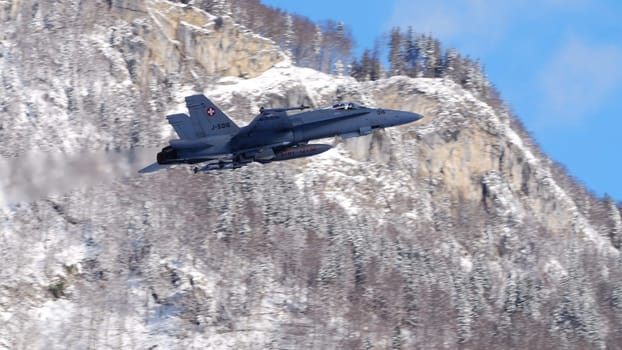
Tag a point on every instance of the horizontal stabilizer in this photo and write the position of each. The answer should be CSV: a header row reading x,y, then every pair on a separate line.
x,y
153,167
183,126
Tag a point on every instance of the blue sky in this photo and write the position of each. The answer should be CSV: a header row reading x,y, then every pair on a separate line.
x,y
557,64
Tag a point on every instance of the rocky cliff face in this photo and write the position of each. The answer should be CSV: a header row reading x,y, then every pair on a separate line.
x,y
451,232
128,60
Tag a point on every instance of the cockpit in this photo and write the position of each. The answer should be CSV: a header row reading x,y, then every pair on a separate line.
x,y
345,106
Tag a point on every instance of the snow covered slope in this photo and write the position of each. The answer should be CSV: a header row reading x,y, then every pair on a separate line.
x,y
454,231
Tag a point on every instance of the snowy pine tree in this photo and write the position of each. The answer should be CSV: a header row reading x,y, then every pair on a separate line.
x,y
288,36
411,53
366,65
453,65
317,47
339,68
474,78
396,57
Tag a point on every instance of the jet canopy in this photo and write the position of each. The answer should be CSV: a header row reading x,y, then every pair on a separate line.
x,y
345,106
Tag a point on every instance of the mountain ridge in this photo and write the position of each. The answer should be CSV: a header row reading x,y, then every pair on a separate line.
x,y
449,232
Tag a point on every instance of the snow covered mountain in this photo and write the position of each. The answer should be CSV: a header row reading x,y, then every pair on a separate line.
x,y
454,231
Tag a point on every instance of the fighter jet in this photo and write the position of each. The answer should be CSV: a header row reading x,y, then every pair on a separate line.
x,y
208,136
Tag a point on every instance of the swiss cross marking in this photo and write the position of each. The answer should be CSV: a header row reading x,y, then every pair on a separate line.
x,y
211,111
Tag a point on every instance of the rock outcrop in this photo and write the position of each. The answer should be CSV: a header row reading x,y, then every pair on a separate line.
x,y
130,59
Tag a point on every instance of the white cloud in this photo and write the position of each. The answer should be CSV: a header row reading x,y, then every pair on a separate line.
x,y
578,79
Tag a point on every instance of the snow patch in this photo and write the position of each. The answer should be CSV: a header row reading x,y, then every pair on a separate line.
x,y
466,263
555,269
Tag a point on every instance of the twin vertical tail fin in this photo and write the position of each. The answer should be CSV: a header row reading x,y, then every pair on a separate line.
x,y
205,119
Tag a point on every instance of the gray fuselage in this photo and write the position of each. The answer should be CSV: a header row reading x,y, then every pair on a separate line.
x,y
270,129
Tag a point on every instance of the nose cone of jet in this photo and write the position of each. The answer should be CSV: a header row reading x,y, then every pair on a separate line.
x,y
407,117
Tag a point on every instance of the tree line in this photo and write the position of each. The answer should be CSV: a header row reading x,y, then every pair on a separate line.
x,y
421,55
327,46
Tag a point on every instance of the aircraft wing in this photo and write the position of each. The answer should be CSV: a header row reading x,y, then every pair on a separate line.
x,y
153,168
